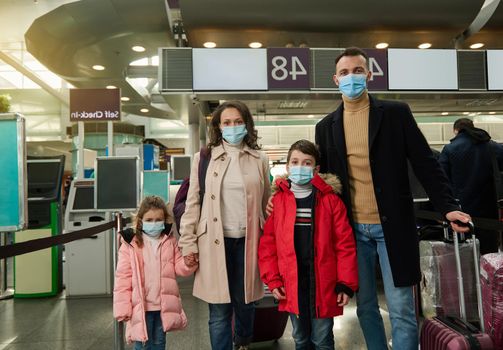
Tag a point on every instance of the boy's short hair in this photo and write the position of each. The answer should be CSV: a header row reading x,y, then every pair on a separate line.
x,y
306,147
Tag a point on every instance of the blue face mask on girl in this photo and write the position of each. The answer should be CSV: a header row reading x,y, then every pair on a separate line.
x,y
153,228
353,85
234,134
300,175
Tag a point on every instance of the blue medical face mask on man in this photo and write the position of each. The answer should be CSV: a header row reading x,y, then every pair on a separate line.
x,y
353,85
153,228
234,134
300,175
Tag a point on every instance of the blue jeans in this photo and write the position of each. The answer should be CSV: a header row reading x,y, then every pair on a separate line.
x,y
155,332
220,322
370,245
312,331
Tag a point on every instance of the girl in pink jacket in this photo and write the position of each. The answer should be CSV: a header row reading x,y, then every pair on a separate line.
x,y
146,294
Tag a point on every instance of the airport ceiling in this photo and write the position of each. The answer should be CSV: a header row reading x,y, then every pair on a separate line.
x,y
73,37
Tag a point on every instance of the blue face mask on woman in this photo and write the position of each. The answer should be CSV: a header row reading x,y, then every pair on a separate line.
x,y
353,85
300,175
153,229
234,134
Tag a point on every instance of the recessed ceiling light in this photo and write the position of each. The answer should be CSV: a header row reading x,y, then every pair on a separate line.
x,y
124,98
111,87
492,112
210,44
476,46
445,113
466,113
98,67
424,46
144,110
138,48
255,45
382,45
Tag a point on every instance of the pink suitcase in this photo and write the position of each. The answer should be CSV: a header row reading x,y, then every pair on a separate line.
x,y
491,280
444,333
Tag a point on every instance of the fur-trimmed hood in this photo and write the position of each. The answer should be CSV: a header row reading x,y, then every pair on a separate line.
x,y
323,182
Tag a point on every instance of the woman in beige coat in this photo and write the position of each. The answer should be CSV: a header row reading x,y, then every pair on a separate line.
x,y
222,232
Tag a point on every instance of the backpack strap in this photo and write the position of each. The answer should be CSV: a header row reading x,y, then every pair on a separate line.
x,y
204,160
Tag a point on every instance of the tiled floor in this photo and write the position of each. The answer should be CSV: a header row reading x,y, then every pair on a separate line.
x,y
78,324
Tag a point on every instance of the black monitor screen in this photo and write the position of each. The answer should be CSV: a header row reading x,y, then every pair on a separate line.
x,y
181,167
116,183
84,198
44,177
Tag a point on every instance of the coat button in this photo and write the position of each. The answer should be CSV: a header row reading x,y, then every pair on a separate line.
x,y
384,218
212,196
215,174
215,219
217,242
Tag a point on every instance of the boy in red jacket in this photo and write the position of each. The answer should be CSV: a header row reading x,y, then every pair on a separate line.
x,y
307,254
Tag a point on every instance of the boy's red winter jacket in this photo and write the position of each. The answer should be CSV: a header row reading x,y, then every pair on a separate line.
x,y
335,266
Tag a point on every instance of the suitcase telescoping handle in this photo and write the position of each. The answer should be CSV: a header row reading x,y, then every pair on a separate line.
x,y
462,308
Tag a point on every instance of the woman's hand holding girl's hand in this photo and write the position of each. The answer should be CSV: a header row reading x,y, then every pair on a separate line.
x,y
342,299
191,260
279,293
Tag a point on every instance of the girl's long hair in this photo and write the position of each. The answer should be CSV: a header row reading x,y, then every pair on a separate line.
x,y
148,203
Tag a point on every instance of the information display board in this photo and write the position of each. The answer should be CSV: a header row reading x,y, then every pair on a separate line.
x,y
415,69
229,69
495,69
117,183
13,182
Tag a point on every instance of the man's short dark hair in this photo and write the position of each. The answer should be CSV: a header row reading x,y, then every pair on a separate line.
x,y
463,124
306,147
354,51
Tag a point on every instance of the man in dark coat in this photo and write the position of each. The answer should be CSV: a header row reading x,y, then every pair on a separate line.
x,y
367,142
468,164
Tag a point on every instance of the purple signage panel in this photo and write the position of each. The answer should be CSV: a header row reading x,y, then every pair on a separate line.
x,y
378,61
288,68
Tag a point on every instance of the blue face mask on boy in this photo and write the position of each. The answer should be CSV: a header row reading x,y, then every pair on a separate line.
x,y
300,175
353,85
153,229
234,134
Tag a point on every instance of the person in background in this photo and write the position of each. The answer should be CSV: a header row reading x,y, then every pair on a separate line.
x,y
367,143
146,294
221,229
467,162
307,255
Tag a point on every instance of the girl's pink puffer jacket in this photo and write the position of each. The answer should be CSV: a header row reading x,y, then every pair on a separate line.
x,y
130,285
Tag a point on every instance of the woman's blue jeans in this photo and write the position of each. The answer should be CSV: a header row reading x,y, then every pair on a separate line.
x,y
220,322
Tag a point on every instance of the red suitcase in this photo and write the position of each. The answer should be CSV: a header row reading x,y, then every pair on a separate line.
x,y
444,333
491,280
269,322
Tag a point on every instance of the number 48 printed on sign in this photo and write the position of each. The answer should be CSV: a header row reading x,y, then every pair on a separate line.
x,y
288,68
280,72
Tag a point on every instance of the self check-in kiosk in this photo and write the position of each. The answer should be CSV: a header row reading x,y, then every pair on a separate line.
x,y
87,268
38,274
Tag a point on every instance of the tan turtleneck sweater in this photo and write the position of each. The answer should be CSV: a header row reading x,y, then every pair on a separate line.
x,y
356,134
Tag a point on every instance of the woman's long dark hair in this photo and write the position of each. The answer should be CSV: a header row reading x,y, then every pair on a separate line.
x,y
216,134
